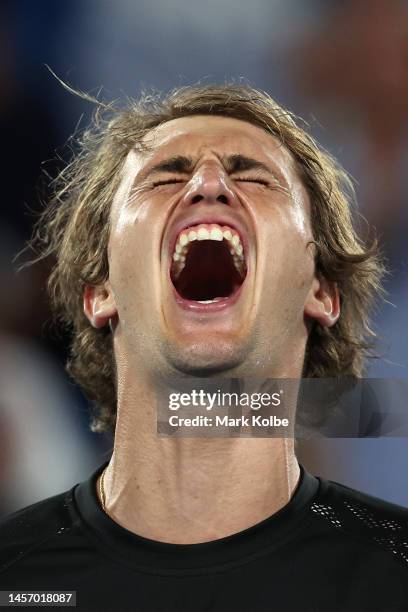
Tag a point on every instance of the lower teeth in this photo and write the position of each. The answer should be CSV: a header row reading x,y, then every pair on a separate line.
x,y
217,299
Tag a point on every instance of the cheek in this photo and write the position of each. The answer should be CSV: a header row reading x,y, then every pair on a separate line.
x,y
125,278
289,264
131,253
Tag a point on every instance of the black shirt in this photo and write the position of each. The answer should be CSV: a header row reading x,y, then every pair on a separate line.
x,y
330,548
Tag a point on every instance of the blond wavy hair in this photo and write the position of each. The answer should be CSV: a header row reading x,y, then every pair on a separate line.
x,y
74,229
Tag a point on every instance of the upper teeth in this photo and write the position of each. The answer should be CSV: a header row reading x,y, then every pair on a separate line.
x,y
208,232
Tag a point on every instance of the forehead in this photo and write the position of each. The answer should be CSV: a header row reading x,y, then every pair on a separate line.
x,y
200,135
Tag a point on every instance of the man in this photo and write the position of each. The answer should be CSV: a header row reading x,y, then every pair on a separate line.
x,y
173,523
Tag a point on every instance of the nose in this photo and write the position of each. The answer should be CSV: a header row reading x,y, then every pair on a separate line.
x,y
210,185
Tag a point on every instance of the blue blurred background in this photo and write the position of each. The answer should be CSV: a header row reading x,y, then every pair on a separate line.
x,y
342,66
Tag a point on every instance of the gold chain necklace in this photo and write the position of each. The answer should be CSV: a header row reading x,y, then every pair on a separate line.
x,y
102,491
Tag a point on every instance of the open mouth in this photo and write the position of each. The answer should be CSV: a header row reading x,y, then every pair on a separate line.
x,y
208,264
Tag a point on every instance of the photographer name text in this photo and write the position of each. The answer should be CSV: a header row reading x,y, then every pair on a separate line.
x,y
226,421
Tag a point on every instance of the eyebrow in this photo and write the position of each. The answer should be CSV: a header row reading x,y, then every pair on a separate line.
x,y
240,163
181,164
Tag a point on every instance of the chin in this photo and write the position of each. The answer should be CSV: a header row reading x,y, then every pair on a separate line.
x,y
204,359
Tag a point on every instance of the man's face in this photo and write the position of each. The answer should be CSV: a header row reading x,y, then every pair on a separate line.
x,y
210,266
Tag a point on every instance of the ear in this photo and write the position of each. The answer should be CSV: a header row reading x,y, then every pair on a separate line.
x,y
99,304
323,302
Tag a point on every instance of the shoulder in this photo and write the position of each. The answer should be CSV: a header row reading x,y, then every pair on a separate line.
x,y
33,527
369,510
367,520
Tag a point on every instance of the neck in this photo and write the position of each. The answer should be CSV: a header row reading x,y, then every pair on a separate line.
x,y
186,491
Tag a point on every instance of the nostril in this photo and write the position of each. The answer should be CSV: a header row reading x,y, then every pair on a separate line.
x,y
198,197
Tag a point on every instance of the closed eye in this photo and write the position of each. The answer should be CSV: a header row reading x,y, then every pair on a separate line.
x,y
167,182
253,180
173,181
